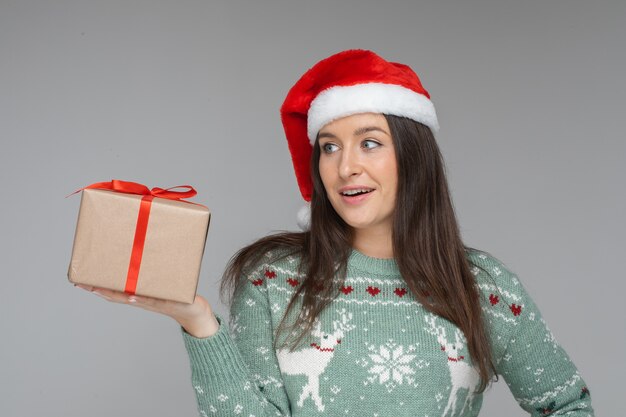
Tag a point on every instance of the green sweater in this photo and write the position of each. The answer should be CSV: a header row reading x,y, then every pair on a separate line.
x,y
377,351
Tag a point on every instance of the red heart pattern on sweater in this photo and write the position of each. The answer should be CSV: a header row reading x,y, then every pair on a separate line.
x,y
516,310
270,274
493,299
292,282
373,290
258,282
400,292
346,290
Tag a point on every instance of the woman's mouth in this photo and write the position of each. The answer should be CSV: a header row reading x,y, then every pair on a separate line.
x,y
355,195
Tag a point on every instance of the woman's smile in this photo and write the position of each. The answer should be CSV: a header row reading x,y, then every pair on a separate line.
x,y
355,194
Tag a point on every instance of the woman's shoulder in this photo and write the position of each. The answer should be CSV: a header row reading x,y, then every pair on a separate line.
x,y
503,295
505,304
272,250
270,263
279,258
499,285
486,267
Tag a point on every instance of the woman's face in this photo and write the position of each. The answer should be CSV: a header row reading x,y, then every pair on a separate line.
x,y
358,169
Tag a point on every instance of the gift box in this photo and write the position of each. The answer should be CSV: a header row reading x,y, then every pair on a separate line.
x,y
140,241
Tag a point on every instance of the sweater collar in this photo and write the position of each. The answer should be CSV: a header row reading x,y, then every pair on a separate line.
x,y
380,266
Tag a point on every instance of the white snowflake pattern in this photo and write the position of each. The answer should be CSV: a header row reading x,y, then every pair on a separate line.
x,y
238,409
421,364
391,365
222,397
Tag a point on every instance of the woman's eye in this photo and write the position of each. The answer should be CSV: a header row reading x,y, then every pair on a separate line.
x,y
370,144
329,147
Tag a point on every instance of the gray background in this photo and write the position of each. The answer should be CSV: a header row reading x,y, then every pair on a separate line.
x,y
530,97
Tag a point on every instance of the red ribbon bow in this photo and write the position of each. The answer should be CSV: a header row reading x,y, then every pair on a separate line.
x,y
136,188
142,218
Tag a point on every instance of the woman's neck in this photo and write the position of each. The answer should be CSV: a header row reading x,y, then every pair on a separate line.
x,y
374,242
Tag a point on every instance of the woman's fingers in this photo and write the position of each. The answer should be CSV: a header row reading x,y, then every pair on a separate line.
x,y
110,295
84,287
196,312
148,303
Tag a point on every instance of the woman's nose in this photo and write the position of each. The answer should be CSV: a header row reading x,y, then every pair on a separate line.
x,y
349,164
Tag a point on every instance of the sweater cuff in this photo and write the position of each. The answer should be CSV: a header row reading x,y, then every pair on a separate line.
x,y
216,355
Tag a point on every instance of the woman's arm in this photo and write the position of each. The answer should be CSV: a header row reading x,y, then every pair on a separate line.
x,y
237,372
538,371
229,377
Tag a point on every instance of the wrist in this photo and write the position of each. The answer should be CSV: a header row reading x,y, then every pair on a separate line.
x,y
201,327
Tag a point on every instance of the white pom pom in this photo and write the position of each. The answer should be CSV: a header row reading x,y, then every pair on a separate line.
x,y
304,217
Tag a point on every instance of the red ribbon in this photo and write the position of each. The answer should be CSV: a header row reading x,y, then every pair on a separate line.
x,y
142,218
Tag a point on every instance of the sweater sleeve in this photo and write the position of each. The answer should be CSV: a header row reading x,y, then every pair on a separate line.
x,y
237,373
538,371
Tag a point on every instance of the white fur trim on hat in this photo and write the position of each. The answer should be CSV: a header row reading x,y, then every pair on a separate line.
x,y
336,102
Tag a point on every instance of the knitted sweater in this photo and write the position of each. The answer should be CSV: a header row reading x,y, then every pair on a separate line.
x,y
377,351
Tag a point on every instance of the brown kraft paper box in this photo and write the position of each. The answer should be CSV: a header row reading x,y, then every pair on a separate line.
x,y
173,249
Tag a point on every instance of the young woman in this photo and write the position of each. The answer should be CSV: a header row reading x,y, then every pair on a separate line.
x,y
377,308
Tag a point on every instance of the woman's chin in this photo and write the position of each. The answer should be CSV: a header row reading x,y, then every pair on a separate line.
x,y
361,224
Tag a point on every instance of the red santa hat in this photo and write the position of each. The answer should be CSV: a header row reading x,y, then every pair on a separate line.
x,y
346,83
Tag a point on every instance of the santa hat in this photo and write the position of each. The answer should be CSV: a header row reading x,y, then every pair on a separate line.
x,y
346,83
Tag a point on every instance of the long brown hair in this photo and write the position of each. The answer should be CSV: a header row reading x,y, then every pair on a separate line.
x,y
427,246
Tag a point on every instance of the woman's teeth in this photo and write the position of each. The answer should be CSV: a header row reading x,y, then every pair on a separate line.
x,y
356,191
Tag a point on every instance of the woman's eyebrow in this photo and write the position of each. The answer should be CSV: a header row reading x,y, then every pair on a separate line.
x,y
357,132
366,129
326,135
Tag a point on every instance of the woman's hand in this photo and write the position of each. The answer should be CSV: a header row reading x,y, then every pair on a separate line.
x,y
197,319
